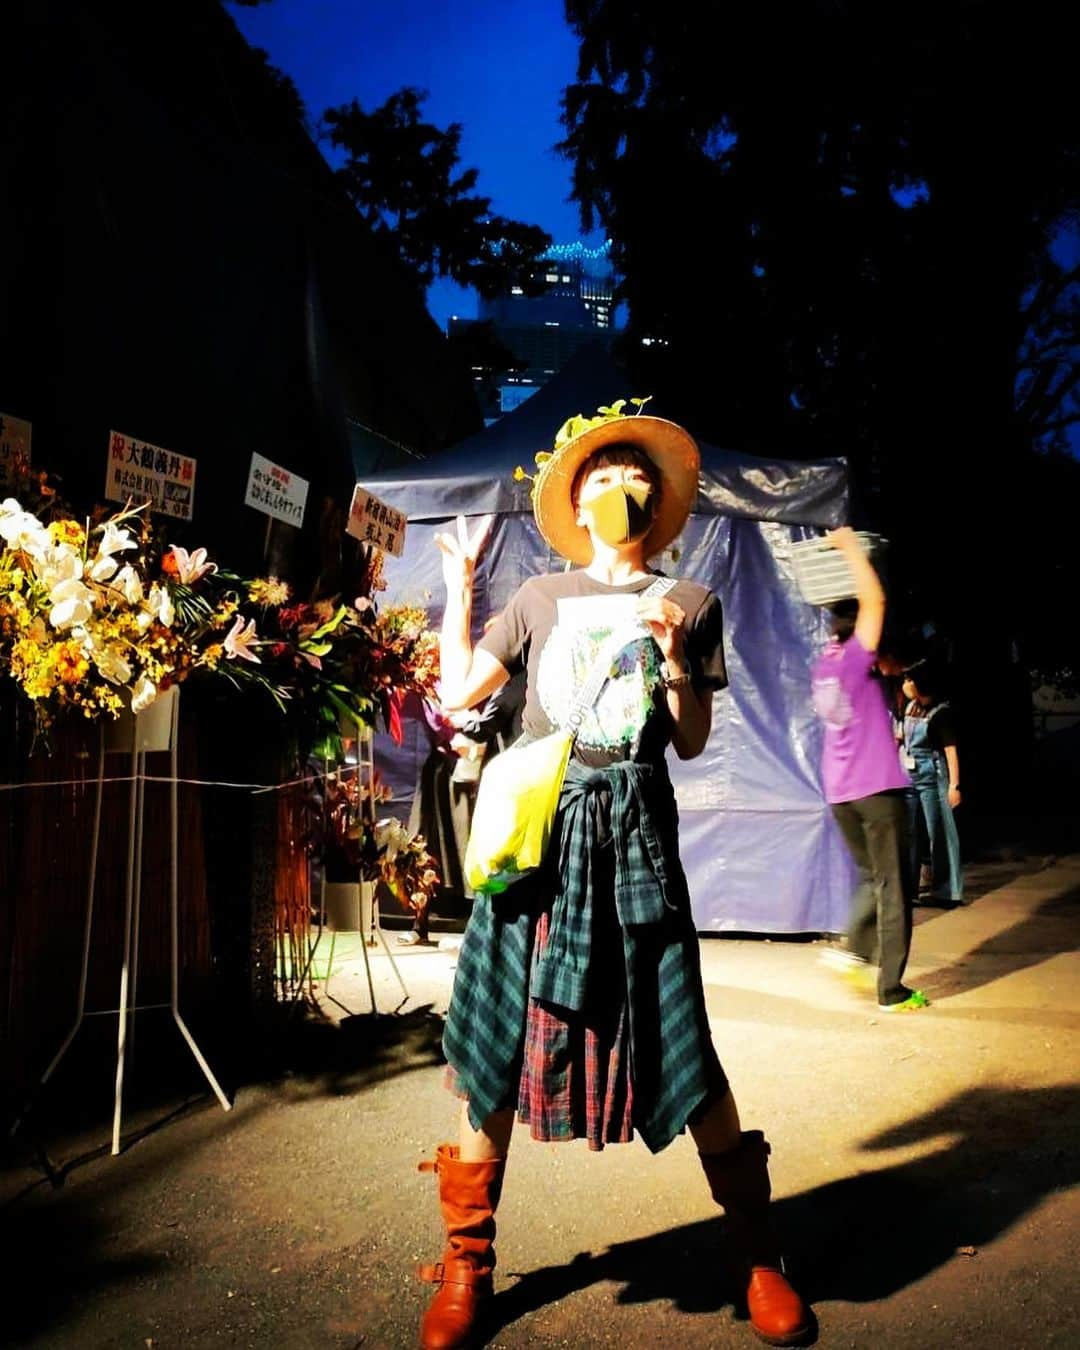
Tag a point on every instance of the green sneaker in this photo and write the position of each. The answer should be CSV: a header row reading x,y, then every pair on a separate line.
x,y
914,1001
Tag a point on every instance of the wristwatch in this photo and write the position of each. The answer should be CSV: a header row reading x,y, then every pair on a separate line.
x,y
674,676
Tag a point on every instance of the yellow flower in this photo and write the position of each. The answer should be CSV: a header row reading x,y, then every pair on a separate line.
x,y
67,532
268,591
71,665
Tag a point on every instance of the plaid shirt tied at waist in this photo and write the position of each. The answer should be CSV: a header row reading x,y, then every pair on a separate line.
x,y
617,828
611,809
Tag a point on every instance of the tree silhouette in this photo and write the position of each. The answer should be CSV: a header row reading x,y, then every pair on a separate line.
x,y
851,230
403,176
855,215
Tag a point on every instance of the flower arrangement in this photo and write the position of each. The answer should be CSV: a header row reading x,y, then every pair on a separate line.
x,y
381,850
90,621
100,616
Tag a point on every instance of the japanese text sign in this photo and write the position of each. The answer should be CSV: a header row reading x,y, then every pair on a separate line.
x,y
276,492
373,522
142,471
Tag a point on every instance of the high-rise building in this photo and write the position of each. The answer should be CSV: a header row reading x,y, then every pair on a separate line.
x,y
575,305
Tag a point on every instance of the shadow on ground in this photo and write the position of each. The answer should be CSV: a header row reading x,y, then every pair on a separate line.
x,y
995,1156
1050,929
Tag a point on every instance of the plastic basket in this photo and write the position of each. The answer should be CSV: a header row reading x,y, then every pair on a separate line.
x,y
822,573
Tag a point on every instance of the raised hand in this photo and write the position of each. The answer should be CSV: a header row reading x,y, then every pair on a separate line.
x,y
845,539
667,622
460,552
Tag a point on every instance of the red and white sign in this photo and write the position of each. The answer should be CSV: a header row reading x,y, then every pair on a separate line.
x,y
373,522
144,472
276,492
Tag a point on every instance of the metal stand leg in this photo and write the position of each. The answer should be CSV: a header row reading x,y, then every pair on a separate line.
x,y
128,1003
386,946
134,822
174,903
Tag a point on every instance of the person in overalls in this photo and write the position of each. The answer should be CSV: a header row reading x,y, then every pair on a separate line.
x,y
578,1002
933,763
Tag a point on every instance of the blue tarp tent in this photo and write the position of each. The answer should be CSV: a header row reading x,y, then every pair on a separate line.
x,y
759,845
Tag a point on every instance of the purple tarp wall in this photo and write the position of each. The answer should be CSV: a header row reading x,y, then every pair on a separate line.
x,y
758,843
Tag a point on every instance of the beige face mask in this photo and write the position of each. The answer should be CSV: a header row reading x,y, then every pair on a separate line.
x,y
621,512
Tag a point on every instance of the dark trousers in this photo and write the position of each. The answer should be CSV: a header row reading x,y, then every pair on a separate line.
x,y
879,928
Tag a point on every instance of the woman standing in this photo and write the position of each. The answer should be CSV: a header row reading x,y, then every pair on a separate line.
x,y
933,761
578,1002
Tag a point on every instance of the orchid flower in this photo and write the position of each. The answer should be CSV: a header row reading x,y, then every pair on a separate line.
x,y
21,530
103,568
56,563
239,640
191,566
160,604
143,693
111,665
72,603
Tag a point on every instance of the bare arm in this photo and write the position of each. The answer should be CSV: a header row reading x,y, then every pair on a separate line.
x,y
868,589
690,709
952,759
691,713
467,676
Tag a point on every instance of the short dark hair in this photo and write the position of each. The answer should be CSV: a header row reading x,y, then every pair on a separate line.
x,y
928,679
619,454
844,616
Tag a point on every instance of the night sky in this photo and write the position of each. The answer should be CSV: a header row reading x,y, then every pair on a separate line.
x,y
497,68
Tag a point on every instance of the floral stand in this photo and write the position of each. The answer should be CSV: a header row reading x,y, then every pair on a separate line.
x,y
154,730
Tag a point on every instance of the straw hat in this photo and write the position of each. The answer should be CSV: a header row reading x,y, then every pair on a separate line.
x,y
671,449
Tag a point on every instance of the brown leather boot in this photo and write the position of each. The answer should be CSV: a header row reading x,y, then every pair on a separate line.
x,y
739,1180
468,1195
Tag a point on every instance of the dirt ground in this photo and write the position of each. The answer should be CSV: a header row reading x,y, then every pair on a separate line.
x,y
924,1169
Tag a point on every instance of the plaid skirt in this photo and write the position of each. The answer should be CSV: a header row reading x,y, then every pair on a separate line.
x,y
574,1072
575,1067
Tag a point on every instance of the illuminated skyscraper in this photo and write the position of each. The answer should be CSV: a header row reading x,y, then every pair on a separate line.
x,y
575,305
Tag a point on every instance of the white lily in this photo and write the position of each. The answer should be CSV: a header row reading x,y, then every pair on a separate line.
x,y
115,540
191,566
143,693
129,581
238,640
71,602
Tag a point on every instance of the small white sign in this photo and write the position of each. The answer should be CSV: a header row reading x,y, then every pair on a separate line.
x,y
373,522
142,471
14,440
276,492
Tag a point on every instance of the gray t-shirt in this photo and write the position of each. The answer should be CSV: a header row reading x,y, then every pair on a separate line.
x,y
557,645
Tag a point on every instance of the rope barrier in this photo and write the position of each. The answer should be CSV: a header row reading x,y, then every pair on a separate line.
x,y
255,788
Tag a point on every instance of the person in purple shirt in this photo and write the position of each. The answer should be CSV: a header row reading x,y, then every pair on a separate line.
x,y
865,783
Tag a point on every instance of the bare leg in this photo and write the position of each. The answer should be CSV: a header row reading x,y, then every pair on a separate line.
x,y
718,1129
491,1141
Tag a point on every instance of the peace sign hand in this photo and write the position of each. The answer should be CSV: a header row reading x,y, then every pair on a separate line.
x,y
460,553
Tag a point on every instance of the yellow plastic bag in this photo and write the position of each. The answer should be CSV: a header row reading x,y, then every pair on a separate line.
x,y
515,810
